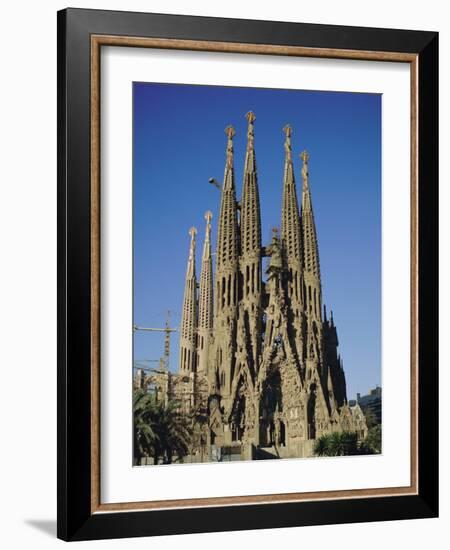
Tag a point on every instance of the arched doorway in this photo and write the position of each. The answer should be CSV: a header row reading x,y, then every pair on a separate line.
x,y
282,434
312,412
271,404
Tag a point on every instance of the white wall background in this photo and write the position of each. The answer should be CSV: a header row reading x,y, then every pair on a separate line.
x,y
28,269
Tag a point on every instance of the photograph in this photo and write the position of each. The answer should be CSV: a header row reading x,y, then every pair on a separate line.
x,y
247,273
256,294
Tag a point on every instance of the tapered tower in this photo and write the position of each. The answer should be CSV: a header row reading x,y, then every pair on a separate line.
x,y
188,333
311,249
250,261
205,302
336,373
226,277
311,274
291,238
275,380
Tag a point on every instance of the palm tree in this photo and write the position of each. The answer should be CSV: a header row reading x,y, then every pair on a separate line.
x,y
144,423
322,445
198,416
345,443
160,429
371,419
173,432
372,444
337,444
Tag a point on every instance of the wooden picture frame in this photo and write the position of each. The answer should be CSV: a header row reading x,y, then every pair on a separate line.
x,y
81,35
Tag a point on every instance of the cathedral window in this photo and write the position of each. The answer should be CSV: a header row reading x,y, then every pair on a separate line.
x,y
247,277
253,278
240,285
223,292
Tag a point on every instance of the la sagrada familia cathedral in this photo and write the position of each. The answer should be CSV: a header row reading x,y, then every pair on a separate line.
x,y
260,340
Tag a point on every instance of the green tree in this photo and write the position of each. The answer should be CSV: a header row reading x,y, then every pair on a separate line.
x,y
173,431
372,442
144,412
337,444
321,445
198,416
160,429
371,419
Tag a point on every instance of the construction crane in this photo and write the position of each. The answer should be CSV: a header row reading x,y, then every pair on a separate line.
x,y
142,363
164,361
152,380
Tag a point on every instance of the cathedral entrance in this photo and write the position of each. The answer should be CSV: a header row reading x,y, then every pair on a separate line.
x,y
312,412
282,434
240,420
238,424
271,406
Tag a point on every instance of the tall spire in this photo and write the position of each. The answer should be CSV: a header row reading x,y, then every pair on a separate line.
x,y
333,361
311,249
205,306
255,338
250,261
222,360
190,272
207,244
250,211
311,276
290,218
227,236
291,242
188,333
250,162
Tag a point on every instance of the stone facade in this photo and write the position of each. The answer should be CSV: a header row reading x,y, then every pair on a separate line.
x,y
263,341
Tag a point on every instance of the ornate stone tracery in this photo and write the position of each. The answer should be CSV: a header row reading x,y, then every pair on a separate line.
x,y
275,379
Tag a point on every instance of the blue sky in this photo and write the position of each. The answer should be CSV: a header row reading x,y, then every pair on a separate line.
x,y
179,143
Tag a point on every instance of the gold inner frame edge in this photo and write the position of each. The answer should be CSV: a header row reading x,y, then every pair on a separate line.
x,y
97,41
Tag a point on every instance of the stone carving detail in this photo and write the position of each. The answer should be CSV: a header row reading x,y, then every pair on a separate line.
x,y
275,378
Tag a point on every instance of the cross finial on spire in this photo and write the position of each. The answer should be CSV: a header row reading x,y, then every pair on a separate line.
x,y
250,116
287,144
288,130
192,233
305,157
207,242
230,132
191,262
208,218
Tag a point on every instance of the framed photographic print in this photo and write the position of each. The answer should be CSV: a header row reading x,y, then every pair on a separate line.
x,y
247,274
